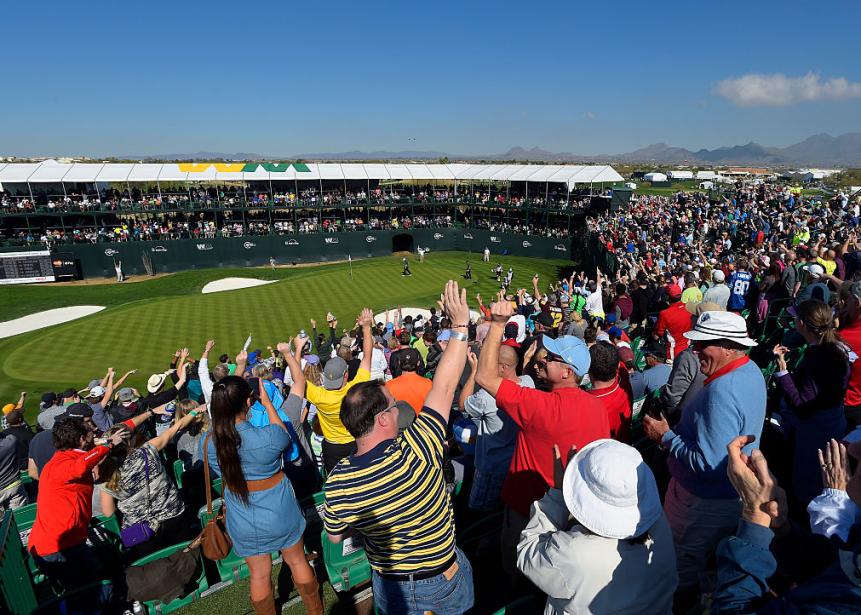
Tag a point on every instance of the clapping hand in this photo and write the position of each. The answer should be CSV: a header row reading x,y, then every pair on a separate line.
x,y
756,486
780,353
834,463
242,357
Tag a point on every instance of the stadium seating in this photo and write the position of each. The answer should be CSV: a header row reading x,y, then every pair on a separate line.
x,y
346,563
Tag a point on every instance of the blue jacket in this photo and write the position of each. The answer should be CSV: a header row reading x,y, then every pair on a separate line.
x,y
727,407
744,564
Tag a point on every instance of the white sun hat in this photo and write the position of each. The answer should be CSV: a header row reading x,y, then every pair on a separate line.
x,y
720,326
611,491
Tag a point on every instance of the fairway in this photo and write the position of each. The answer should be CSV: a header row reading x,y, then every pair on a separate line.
x,y
146,321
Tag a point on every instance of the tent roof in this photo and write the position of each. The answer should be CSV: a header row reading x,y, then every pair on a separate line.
x,y
115,172
50,171
84,172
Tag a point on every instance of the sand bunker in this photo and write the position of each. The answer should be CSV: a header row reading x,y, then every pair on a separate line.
x,y
411,311
48,318
233,284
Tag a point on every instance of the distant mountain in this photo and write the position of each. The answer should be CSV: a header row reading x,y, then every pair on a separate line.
x,y
822,150
818,150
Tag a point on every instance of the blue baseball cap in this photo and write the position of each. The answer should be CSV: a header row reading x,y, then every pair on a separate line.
x,y
571,350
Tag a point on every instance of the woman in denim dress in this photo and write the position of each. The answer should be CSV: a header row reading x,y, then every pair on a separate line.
x,y
262,513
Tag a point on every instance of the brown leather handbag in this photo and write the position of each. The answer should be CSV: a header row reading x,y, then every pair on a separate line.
x,y
216,544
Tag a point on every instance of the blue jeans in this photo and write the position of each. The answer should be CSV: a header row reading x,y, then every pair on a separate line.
x,y
437,594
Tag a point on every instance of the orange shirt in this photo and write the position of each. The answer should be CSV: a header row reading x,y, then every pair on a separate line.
x,y
411,388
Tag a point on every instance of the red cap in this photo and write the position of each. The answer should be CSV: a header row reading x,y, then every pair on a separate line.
x,y
673,291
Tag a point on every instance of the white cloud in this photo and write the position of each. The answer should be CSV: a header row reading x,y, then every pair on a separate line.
x,y
777,90
589,115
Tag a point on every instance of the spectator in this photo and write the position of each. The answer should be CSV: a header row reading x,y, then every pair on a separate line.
x,y
496,431
135,483
655,376
188,438
719,292
598,541
416,566
409,386
740,284
692,293
49,409
812,412
566,416
746,561
613,394
673,323
700,502
338,442
850,332
264,515
12,492
64,506
404,339
23,436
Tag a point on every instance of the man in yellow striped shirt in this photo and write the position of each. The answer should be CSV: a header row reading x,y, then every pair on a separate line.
x,y
392,491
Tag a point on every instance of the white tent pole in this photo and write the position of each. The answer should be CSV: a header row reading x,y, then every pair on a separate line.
x,y
30,190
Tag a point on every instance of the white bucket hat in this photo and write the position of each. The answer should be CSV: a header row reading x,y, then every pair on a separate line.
x,y
720,326
611,491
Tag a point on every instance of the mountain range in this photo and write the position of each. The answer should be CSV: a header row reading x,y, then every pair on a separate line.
x,y
818,150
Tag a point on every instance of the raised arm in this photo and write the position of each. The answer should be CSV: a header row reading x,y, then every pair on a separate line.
x,y
450,367
294,364
161,440
365,320
203,371
488,376
241,363
469,386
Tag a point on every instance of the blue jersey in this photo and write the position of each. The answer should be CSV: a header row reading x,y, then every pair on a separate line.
x,y
739,287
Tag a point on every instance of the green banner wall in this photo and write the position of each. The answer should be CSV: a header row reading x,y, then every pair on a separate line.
x,y
97,260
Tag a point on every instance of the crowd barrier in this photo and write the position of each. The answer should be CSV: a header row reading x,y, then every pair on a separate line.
x,y
97,260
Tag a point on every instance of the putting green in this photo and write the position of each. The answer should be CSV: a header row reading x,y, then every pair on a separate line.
x,y
145,322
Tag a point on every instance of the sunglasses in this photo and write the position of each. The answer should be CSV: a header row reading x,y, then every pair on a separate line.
x,y
386,409
542,363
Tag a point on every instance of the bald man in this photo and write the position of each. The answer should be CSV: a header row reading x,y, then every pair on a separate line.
x,y
496,432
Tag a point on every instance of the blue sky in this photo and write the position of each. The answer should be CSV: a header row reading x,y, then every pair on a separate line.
x,y
282,78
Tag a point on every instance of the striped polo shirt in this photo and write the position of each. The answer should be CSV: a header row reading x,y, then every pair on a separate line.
x,y
394,495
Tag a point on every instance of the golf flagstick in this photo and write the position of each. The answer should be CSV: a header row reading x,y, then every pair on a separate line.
x,y
350,258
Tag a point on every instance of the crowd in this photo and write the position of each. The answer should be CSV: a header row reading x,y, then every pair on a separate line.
x,y
232,196
675,431
132,229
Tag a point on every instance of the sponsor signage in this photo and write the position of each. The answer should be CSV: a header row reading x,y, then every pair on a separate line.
x,y
204,246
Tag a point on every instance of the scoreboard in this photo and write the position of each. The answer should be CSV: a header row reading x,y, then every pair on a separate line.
x,y
26,267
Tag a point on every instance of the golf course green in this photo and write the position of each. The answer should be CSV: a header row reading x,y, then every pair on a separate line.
x,y
145,322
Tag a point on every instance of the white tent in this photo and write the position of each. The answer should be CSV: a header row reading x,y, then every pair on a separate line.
x,y
50,171
655,177
677,174
706,175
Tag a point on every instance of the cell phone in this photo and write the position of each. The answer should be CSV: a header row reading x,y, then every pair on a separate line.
x,y
247,343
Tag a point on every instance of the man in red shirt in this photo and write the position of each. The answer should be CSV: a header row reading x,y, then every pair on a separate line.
x,y
850,331
565,416
675,320
607,387
65,505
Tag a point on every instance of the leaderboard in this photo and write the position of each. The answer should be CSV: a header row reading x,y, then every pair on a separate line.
x,y
26,267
